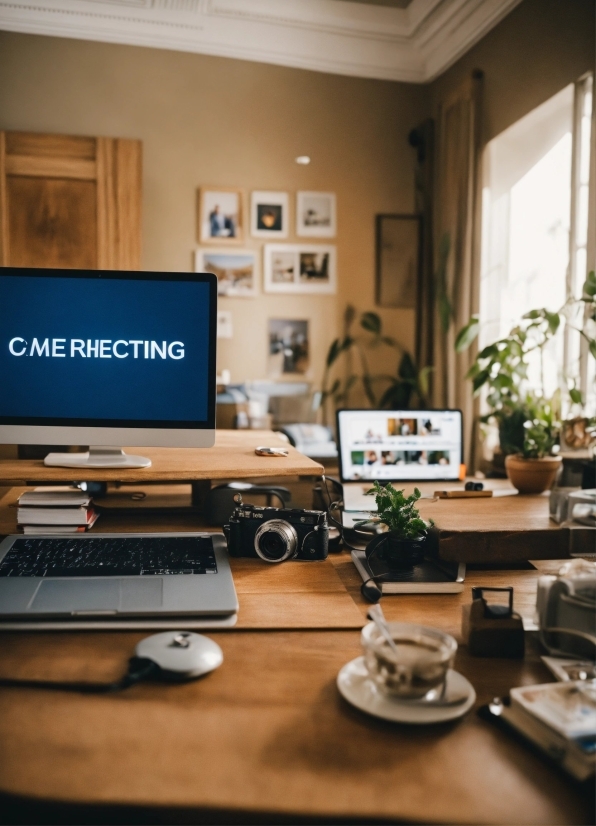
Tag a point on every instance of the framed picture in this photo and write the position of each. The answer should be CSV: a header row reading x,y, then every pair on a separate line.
x,y
300,268
289,351
398,246
269,214
237,271
221,215
315,214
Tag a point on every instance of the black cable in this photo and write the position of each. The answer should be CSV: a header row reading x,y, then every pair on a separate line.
x,y
333,506
139,669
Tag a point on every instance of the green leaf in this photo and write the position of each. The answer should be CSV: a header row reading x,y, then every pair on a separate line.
x,y
593,348
576,396
589,287
333,352
533,314
488,352
371,322
480,379
467,334
554,321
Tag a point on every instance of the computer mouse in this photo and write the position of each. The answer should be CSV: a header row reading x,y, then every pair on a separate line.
x,y
181,655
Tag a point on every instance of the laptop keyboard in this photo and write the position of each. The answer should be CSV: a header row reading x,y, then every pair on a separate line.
x,y
107,556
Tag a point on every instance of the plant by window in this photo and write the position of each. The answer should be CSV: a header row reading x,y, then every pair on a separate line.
x,y
541,431
502,367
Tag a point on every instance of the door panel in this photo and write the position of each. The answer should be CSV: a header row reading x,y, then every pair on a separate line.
x,y
68,201
52,222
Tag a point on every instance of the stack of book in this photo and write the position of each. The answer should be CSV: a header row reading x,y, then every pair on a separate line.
x,y
560,719
55,510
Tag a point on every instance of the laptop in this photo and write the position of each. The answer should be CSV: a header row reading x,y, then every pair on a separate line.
x,y
395,446
149,580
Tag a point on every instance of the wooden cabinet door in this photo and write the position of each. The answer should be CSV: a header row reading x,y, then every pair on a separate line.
x,y
70,201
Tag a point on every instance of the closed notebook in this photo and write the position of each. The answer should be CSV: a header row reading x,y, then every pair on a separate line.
x,y
55,516
54,497
569,708
57,530
430,577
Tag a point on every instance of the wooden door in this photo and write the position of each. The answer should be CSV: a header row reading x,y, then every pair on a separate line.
x,y
70,202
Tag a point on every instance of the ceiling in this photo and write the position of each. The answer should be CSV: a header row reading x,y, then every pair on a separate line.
x,y
405,40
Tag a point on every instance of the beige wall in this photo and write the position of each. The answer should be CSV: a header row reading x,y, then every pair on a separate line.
x,y
209,120
539,48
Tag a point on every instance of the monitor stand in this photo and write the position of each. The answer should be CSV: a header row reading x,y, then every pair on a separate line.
x,y
100,457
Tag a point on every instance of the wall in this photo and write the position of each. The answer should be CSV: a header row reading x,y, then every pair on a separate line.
x,y
209,120
539,48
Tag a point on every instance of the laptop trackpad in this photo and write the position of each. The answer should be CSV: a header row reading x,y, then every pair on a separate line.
x,y
98,595
65,596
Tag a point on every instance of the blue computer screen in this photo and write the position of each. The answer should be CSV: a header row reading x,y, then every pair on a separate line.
x,y
134,350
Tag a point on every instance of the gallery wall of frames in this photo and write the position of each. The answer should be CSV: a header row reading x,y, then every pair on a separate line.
x,y
271,265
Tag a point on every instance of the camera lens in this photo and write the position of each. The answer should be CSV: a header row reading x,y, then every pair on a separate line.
x,y
276,541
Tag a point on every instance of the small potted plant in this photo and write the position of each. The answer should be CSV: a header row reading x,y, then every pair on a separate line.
x,y
534,469
402,545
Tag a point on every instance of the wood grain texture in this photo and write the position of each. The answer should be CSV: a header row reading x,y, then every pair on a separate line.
x,y
232,456
68,201
52,146
52,222
49,167
119,203
267,732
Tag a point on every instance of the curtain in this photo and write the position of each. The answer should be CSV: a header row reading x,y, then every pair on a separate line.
x,y
456,257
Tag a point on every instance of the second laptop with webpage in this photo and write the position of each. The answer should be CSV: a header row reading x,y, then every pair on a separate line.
x,y
398,446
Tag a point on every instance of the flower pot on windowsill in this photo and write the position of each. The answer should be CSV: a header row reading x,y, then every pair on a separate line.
x,y
532,475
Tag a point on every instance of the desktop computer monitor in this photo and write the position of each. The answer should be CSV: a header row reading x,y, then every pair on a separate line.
x,y
104,359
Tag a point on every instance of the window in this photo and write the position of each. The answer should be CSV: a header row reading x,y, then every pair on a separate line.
x,y
535,230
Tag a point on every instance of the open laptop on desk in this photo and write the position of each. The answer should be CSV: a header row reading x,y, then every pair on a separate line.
x,y
395,446
116,581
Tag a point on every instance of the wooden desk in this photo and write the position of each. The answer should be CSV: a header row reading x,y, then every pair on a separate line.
x,y
267,737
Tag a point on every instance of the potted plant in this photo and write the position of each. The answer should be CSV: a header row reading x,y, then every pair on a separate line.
x,y
534,468
402,545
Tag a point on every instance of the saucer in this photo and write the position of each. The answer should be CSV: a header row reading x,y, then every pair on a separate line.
x,y
358,689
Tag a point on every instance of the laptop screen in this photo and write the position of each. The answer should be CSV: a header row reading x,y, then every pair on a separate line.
x,y
399,445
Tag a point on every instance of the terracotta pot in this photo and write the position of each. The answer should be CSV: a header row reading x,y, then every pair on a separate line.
x,y
532,475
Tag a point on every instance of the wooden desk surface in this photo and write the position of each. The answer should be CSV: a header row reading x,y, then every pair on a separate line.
x,y
232,456
269,733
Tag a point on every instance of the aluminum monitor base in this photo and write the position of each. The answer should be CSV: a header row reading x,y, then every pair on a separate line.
x,y
97,457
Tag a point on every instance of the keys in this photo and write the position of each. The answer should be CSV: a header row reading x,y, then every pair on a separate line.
x,y
109,556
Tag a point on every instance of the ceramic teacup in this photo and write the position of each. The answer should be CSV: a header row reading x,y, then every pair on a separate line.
x,y
424,655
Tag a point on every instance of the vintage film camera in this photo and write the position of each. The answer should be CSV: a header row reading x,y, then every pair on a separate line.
x,y
277,534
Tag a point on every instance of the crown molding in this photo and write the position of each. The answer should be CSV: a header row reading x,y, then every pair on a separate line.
x,y
414,44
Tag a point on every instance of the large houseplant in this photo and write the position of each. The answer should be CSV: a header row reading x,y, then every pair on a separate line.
x,y
501,368
535,467
408,386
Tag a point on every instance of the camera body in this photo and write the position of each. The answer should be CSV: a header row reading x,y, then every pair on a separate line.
x,y
277,534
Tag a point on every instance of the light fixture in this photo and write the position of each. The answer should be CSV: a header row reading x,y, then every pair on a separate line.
x,y
303,159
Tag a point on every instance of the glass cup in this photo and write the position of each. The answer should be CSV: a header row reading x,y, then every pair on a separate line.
x,y
424,655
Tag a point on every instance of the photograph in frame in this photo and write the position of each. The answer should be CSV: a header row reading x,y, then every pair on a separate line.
x,y
316,214
237,270
269,214
300,268
221,215
289,349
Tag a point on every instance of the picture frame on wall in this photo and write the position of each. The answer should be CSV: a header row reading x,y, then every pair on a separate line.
x,y
316,214
221,215
300,268
269,214
398,260
237,270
